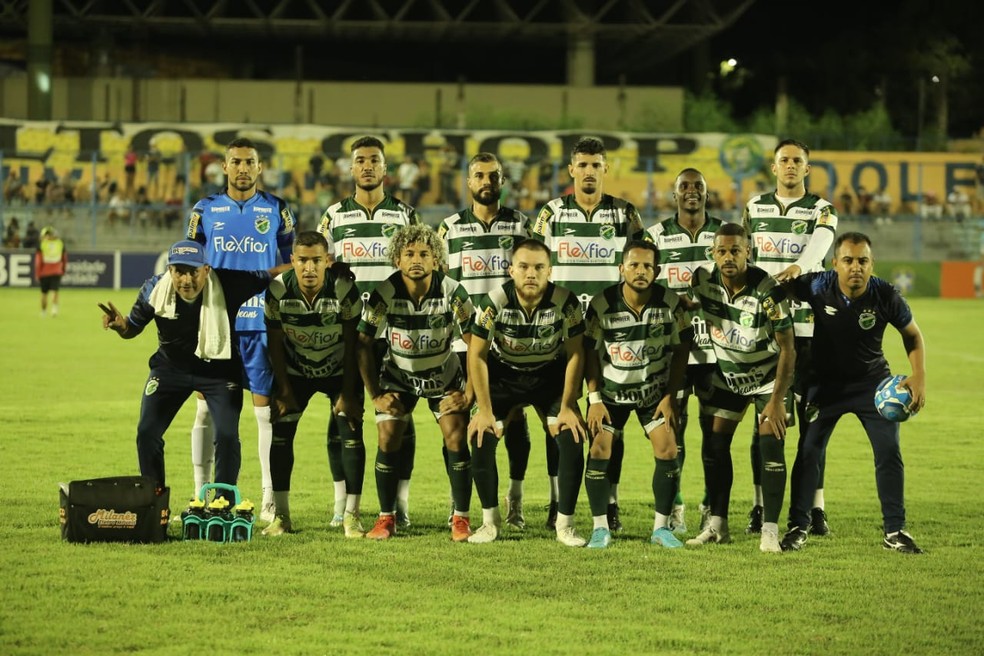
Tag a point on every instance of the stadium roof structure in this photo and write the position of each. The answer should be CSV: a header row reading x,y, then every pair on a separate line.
x,y
632,32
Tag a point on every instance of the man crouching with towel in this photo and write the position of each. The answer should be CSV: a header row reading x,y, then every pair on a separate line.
x,y
194,307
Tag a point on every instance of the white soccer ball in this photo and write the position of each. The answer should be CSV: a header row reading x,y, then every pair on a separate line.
x,y
892,399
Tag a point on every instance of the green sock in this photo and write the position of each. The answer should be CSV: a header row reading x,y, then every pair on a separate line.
x,y
459,471
386,480
773,477
570,471
485,472
597,486
666,482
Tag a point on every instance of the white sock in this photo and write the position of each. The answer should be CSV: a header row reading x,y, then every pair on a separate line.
x,y
341,497
490,515
600,521
281,500
515,489
566,521
54,310
353,503
461,513
613,494
554,489
770,527
716,522
202,446
818,498
759,499
660,521
403,495
264,431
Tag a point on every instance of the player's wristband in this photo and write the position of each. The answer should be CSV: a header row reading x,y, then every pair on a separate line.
x,y
594,397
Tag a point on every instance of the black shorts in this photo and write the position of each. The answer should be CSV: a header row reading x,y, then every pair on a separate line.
x,y
50,283
543,389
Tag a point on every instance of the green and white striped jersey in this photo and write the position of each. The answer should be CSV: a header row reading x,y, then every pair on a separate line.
x,y
528,342
680,252
779,234
312,331
479,254
742,329
361,238
585,251
419,359
635,349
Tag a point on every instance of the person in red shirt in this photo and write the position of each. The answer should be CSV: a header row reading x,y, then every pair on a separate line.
x,y
50,261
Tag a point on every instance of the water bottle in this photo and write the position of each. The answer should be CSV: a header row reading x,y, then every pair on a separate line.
x,y
218,518
192,519
242,524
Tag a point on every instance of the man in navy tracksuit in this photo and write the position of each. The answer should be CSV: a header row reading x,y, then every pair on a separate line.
x,y
194,307
851,310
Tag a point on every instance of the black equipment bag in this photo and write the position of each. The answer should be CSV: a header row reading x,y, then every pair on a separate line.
x,y
117,509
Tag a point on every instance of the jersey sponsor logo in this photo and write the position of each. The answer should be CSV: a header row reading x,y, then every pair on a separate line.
x,y
733,337
673,256
376,314
632,354
218,209
311,338
408,343
677,275
193,221
584,253
371,250
824,217
262,225
260,208
621,317
744,383
422,385
780,246
766,210
389,214
761,227
670,240
867,320
494,263
487,320
799,227
218,225
525,346
569,231
467,245
636,396
247,244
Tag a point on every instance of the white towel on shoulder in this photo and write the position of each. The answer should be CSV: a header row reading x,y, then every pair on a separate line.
x,y
214,334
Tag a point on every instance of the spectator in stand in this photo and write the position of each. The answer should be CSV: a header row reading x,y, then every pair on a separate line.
x,y
958,204
407,175
980,186
449,175
119,206
153,171
175,201
11,236
881,204
13,189
50,262
845,201
930,206
31,236
130,171
41,190
423,186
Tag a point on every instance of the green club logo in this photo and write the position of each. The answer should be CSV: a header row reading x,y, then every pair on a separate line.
x,y
607,231
262,225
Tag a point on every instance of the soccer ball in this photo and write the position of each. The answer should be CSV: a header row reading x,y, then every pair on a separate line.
x,y
892,399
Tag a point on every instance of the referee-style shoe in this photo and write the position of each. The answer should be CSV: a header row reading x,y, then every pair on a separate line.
x,y
902,542
794,539
818,522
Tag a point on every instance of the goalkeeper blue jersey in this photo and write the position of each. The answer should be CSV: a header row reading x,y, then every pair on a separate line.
x,y
244,236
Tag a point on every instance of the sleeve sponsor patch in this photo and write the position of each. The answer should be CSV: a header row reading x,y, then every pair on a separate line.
x,y
193,222
487,320
824,217
288,220
772,309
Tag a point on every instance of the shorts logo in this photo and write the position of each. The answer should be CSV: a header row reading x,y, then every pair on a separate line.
x,y
799,227
607,231
389,229
867,320
152,386
262,225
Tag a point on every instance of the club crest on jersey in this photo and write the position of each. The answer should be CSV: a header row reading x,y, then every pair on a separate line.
x,y
607,231
262,225
436,321
152,386
506,243
867,320
544,332
746,319
389,229
799,227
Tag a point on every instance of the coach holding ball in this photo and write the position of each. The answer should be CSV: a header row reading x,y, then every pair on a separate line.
x,y
851,309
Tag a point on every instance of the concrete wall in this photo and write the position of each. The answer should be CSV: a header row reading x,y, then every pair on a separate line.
x,y
649,109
